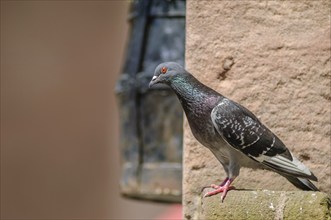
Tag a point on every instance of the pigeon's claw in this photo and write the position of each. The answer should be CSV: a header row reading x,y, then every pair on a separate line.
x,y
220,189
223,188
214,186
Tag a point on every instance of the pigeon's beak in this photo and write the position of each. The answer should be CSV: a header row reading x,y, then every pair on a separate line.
x,y
153,81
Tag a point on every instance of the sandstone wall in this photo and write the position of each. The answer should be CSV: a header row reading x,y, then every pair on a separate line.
x,y
274,58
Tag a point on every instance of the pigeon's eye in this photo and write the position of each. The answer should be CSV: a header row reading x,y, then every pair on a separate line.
x,y
164,69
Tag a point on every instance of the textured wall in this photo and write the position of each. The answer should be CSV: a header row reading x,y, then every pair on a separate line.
x,y
274,58
267,205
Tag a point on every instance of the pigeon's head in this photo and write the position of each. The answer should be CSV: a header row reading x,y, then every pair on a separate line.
x,y
165,72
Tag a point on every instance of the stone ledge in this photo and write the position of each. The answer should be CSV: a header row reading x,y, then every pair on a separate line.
x,y
265,204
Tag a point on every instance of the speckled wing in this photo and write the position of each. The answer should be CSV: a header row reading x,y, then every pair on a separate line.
x,y
243,131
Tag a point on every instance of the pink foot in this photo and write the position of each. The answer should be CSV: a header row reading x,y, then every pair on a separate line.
x,y
224,188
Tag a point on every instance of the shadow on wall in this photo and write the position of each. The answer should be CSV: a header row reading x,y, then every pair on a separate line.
x,y
59,122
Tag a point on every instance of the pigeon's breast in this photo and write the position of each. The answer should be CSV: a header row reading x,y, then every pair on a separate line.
x,y
198,115
203,130
207,135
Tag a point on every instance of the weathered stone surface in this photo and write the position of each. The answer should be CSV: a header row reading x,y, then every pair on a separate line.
x,y
274,58
266,204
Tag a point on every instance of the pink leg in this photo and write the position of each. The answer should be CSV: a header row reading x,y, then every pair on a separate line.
x,y
214,186
223,187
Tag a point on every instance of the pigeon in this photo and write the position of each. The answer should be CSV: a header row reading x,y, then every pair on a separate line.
x,y
235,136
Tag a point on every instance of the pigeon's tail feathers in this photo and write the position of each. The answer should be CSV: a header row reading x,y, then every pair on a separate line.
x,y
288,166
301,183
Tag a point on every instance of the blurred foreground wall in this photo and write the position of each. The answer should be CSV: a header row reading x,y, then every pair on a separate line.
x,y
59,121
